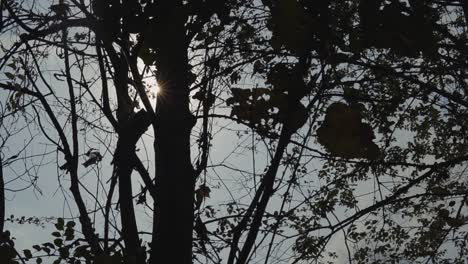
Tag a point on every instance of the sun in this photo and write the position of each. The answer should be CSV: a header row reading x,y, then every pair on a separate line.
x,y
157,89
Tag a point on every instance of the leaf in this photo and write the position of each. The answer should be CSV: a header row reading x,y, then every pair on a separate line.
x,y
210,100
235,77
258,67
291,27
59,9
141,198
455,222
71,224
80,251
58,242
299,117
64,252
287,79
12,65
439,190
80,36
48,245
147,56
56,234
27,253
344,134
204,191
69,231
69,234
256,107
9,75
38,260
21,77
443,213
198,95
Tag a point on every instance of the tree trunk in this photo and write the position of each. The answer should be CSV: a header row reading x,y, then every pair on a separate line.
x,y
124,160
124,168
2,197
173,214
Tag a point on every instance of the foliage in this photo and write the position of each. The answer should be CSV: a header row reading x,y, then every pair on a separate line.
x,y
283,131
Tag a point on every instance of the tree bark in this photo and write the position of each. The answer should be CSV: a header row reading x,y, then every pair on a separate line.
x,y
2,197
124,168
124,160
130,128
173,214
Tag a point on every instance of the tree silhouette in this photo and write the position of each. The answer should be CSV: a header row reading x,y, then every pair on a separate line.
x,y
278,127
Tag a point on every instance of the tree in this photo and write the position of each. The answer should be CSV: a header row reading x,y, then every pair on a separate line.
x,y
352,113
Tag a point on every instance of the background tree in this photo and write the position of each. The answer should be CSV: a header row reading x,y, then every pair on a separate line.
x,y
344,119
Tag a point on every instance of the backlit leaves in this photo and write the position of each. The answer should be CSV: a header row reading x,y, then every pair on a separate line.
x,y
405,29
291,27
259,107
264,108
344,134
7,250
